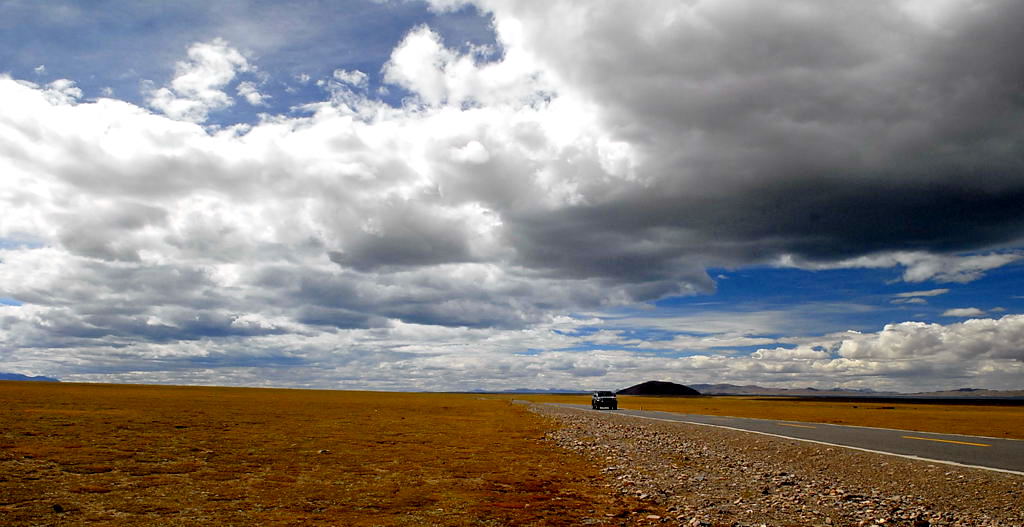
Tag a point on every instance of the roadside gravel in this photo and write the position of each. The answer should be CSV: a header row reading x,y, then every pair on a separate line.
x,y
704,476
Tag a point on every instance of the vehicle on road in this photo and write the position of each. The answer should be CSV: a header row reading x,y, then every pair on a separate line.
x,y
604,399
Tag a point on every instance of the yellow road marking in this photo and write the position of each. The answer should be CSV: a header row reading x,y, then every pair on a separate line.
x,y
945,441
795,426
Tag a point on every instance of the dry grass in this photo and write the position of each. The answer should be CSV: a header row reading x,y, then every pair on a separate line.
x,y
148,455
981,419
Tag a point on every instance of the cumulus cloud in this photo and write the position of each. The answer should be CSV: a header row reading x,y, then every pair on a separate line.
x,y
437,75
610,155
198,84
251,93
970,341
354,78
63,91
790,354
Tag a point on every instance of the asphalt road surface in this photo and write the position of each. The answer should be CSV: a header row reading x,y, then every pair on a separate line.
x,y
1006,455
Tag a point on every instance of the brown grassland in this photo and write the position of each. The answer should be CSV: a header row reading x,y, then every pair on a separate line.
x,y
76,454
982,419
73,454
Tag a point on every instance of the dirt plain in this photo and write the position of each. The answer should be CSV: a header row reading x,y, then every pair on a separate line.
x,y
92,454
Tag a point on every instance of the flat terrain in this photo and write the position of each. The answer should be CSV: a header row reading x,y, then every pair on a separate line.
x,y
77,454
81,454
979,418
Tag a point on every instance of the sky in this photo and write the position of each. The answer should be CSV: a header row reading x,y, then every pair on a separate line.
x,y
495,195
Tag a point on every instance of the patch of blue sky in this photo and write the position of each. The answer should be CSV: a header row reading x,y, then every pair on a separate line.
x,y
584,347
7,301
1002,287
10,243
111,48
773,303
834,300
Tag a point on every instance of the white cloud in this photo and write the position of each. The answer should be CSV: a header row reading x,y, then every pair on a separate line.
x,y
721,342
40,69
198,84
917,297
963,312
252,95
963,343
63,91
919,266
437,75
472,152
800,353
354,78
913,300
930,292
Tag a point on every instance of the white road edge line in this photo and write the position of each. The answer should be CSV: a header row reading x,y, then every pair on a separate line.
x,y
907,456
832,425
900,430
860,426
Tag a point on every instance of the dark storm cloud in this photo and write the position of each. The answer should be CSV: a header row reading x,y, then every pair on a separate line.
x,y
104,231
405,234
814,129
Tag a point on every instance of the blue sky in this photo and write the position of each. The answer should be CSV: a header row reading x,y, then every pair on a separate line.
x,y
496,195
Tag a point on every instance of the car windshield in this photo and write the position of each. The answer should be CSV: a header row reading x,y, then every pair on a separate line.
x,y
605,394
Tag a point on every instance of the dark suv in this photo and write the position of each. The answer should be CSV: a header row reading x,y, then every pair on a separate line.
x,y
603,399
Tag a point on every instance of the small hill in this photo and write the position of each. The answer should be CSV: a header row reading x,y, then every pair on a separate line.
x,y
658,388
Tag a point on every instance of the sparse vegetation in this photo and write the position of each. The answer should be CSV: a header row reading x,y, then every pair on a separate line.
x,y
73,454
78,454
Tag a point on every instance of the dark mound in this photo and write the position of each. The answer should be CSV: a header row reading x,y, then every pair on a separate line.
x,y
658,388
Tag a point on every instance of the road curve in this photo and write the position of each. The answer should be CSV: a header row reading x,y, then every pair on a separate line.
x,y
1003,455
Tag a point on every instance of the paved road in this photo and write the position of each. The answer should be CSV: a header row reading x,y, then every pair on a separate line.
x,y
1005,455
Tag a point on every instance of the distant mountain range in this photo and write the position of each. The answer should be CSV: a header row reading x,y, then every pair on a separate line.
x,y
551,391
750,389
20,377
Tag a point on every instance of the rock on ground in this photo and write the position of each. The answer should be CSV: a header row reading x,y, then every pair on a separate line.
x,y
703,476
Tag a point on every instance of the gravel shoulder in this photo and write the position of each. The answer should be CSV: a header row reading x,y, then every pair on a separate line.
x,y
704,476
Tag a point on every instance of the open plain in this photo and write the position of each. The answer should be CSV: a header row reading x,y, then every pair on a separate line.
x,y
81,454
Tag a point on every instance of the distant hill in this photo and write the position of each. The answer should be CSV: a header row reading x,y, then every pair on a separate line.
x,y
973,392
20,377
552,391
658,388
